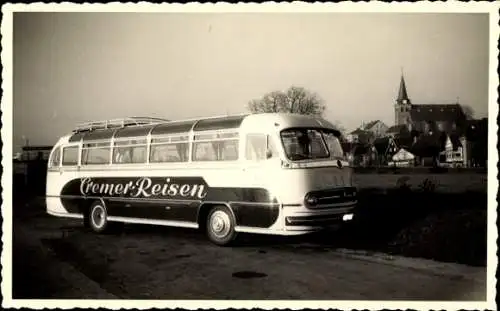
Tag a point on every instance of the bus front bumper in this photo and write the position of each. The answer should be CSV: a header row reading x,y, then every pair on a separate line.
x,y
312,220
317,220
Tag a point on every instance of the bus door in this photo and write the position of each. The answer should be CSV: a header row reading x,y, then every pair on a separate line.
x,y
262,162
261,170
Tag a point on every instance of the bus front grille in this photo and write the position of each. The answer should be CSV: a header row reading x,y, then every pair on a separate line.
x,y
330,197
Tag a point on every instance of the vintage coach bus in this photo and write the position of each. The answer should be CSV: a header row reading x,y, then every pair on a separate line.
x,y
268,173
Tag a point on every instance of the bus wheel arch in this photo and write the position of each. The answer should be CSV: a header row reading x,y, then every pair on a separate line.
x,y
218,221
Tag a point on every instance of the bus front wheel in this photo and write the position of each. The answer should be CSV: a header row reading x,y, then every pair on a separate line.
x,y
220,226
98,217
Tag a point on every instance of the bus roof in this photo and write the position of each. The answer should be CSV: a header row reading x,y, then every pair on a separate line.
x,y
91,132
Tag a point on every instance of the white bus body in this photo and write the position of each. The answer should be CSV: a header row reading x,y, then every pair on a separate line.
x,y
268,173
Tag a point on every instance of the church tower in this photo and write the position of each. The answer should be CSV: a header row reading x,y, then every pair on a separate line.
x,y
403,105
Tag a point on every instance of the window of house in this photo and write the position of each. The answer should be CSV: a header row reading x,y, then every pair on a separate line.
x,y
70,155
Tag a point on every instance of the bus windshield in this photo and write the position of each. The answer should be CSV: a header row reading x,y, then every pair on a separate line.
x,y
310,144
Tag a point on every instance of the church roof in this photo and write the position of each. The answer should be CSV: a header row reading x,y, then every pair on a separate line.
x,y
450,112
403,94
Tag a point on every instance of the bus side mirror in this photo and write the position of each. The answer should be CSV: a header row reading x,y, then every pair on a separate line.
x,y
269,154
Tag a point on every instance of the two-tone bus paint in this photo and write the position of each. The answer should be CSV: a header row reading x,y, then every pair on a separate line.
x,y
269,173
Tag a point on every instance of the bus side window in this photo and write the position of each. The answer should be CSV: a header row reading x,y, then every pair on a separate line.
x,y
95,153
129,151
204,151
56,157
170,149
70,156
169,153
228,150
256,145
121,155
216,147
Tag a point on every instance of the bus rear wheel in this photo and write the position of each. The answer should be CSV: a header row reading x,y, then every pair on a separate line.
x,y
221,226
98,217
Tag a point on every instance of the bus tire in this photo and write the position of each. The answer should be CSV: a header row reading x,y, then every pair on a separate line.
x,y
98,217
220,226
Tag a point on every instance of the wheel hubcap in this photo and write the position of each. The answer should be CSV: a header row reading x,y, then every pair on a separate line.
x,y
98,216
220,224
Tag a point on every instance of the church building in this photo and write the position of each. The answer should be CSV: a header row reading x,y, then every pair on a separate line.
x,y
425,118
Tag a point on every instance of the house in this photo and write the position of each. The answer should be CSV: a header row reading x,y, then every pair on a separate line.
x,y
359,136
357,154
366,133
453,153
377,128
402,158
427,147
385,148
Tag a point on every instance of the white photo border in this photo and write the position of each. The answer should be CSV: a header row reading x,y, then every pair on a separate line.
x,y
379,7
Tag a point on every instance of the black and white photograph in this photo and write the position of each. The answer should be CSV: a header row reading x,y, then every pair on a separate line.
x,y
275,155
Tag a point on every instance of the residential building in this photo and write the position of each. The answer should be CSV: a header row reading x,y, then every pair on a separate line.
x,y
376,127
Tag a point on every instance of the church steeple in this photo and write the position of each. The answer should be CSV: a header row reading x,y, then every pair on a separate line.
x,y
403,94
403,104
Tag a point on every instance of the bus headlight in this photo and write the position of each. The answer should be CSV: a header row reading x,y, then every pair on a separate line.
x,y
311,200
347,217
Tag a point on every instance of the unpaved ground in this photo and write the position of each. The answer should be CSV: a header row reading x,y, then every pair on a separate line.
x,y
163,263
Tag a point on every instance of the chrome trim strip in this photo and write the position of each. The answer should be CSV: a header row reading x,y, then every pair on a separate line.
x,y
145,221
67,215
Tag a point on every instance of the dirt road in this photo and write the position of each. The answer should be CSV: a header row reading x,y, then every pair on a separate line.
x,y
162,263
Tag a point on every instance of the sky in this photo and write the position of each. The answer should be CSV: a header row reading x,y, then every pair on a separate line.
x,y
75,67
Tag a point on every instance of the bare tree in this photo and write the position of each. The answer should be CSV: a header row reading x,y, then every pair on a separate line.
x,y
469,112
338,125
294,100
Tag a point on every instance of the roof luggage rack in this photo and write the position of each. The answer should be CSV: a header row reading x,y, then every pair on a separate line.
x,y
118,123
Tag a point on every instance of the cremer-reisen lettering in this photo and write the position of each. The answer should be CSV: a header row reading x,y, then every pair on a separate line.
x,y
143,187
